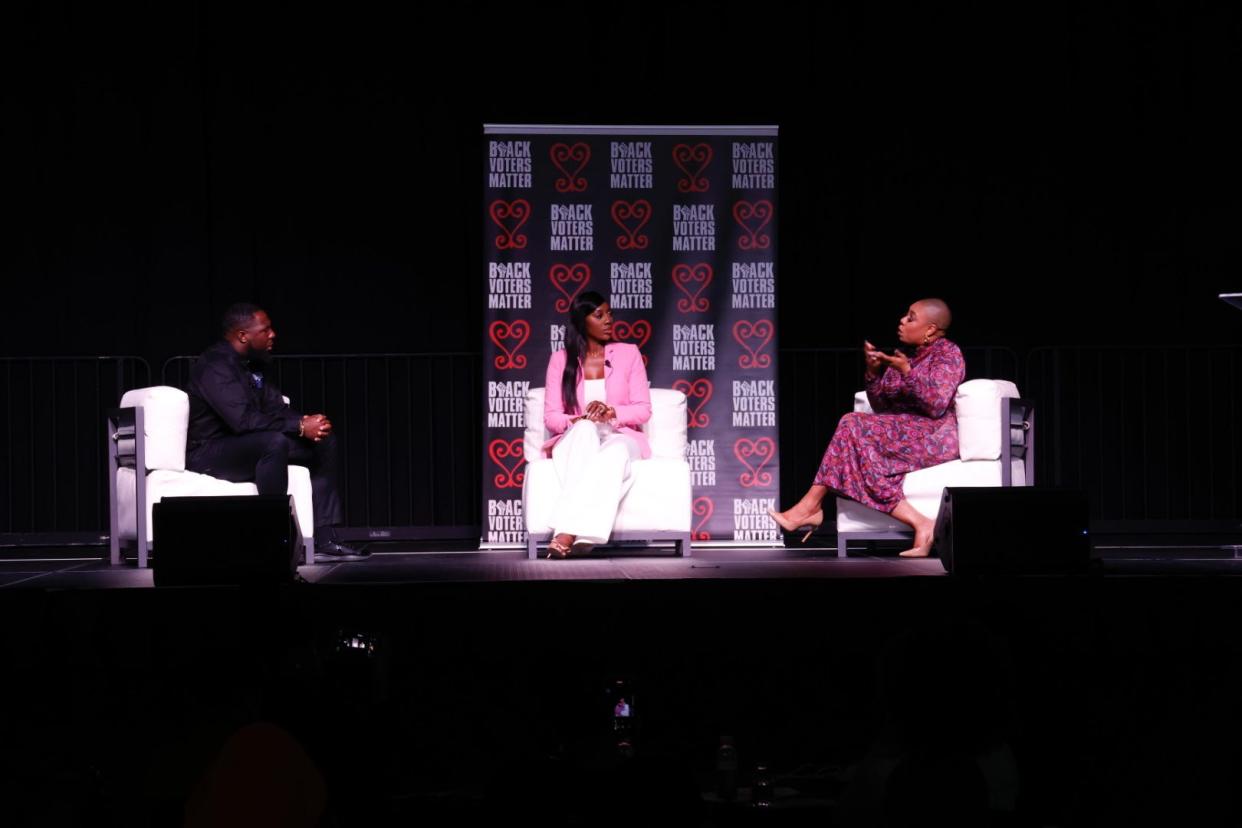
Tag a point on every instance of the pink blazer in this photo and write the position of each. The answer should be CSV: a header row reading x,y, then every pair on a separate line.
x,y
625,387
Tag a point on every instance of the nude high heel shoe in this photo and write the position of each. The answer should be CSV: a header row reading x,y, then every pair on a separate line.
x,y
813,522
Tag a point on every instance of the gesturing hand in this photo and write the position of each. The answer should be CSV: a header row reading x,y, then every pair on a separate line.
x,y
872,356
877,360
899,361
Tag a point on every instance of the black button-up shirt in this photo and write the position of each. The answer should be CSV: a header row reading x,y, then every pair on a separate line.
x,y
227,399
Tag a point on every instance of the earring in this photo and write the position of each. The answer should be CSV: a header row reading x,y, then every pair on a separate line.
x,y
926,338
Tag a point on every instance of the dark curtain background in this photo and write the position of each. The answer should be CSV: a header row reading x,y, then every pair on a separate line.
x,y
1061,175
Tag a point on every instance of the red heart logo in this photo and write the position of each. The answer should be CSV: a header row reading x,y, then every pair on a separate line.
x,y
753,337
639,329
683,276
764,449
580,154
575,275
509,217
703,508
638,332
501,332
753,218
632,216
692,160
511,450
701,390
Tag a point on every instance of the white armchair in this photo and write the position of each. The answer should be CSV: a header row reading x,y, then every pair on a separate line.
x,y
657,506
148,432
996,434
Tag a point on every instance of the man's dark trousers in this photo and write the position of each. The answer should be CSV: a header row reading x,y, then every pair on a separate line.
x,y
263,457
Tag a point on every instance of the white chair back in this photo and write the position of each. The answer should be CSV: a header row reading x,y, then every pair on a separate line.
x,y
666,430
978,408
979,428
166,418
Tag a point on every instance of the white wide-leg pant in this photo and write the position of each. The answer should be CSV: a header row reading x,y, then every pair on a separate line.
x,y
592,462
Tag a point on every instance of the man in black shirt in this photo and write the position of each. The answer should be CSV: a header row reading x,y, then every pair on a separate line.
x,y
241,429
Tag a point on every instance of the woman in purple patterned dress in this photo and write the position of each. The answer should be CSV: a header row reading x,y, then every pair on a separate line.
x,y
914,427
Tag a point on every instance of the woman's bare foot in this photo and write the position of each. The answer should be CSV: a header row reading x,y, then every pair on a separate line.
x,y
922,525
922,543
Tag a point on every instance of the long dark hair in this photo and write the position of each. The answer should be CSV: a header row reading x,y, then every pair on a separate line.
x,y
583,306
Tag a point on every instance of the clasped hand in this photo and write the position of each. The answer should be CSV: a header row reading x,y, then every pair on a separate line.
x,y
315,427
877,360
597,412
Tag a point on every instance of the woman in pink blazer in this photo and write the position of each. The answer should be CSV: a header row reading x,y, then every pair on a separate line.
x,y
596,399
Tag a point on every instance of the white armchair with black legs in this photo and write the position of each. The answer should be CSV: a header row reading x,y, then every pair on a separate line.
x,y
996,433
146,462
657,506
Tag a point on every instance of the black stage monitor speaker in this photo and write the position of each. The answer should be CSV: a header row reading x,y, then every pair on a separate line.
x,y
246,539
1014,530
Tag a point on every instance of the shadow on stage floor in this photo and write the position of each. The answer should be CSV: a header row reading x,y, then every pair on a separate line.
x,y
393,563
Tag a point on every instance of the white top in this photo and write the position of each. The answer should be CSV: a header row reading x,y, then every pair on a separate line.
x,y
593,391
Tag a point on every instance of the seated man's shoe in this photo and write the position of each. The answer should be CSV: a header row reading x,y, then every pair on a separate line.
x,y
331,550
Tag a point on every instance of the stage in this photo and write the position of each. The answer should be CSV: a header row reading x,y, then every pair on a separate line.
x,y
395,563
63,569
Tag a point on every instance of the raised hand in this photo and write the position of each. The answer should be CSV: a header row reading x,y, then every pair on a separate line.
x,y
899,361
877,360
873,357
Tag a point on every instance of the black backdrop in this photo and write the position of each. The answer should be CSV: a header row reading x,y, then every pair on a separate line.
x,y
1061,175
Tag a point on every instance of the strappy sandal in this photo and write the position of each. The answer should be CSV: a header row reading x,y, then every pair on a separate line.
x,y
557,550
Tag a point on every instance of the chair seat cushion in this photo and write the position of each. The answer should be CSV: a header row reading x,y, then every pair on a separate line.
x,y
930,482
924,489
167,483
852,516
658,500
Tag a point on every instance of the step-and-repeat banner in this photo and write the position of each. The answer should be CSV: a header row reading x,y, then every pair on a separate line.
x,y
677,227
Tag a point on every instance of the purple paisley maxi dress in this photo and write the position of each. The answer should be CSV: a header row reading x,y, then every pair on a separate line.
x,y
914,427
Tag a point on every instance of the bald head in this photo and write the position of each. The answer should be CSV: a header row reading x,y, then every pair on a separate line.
x,y
936,312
